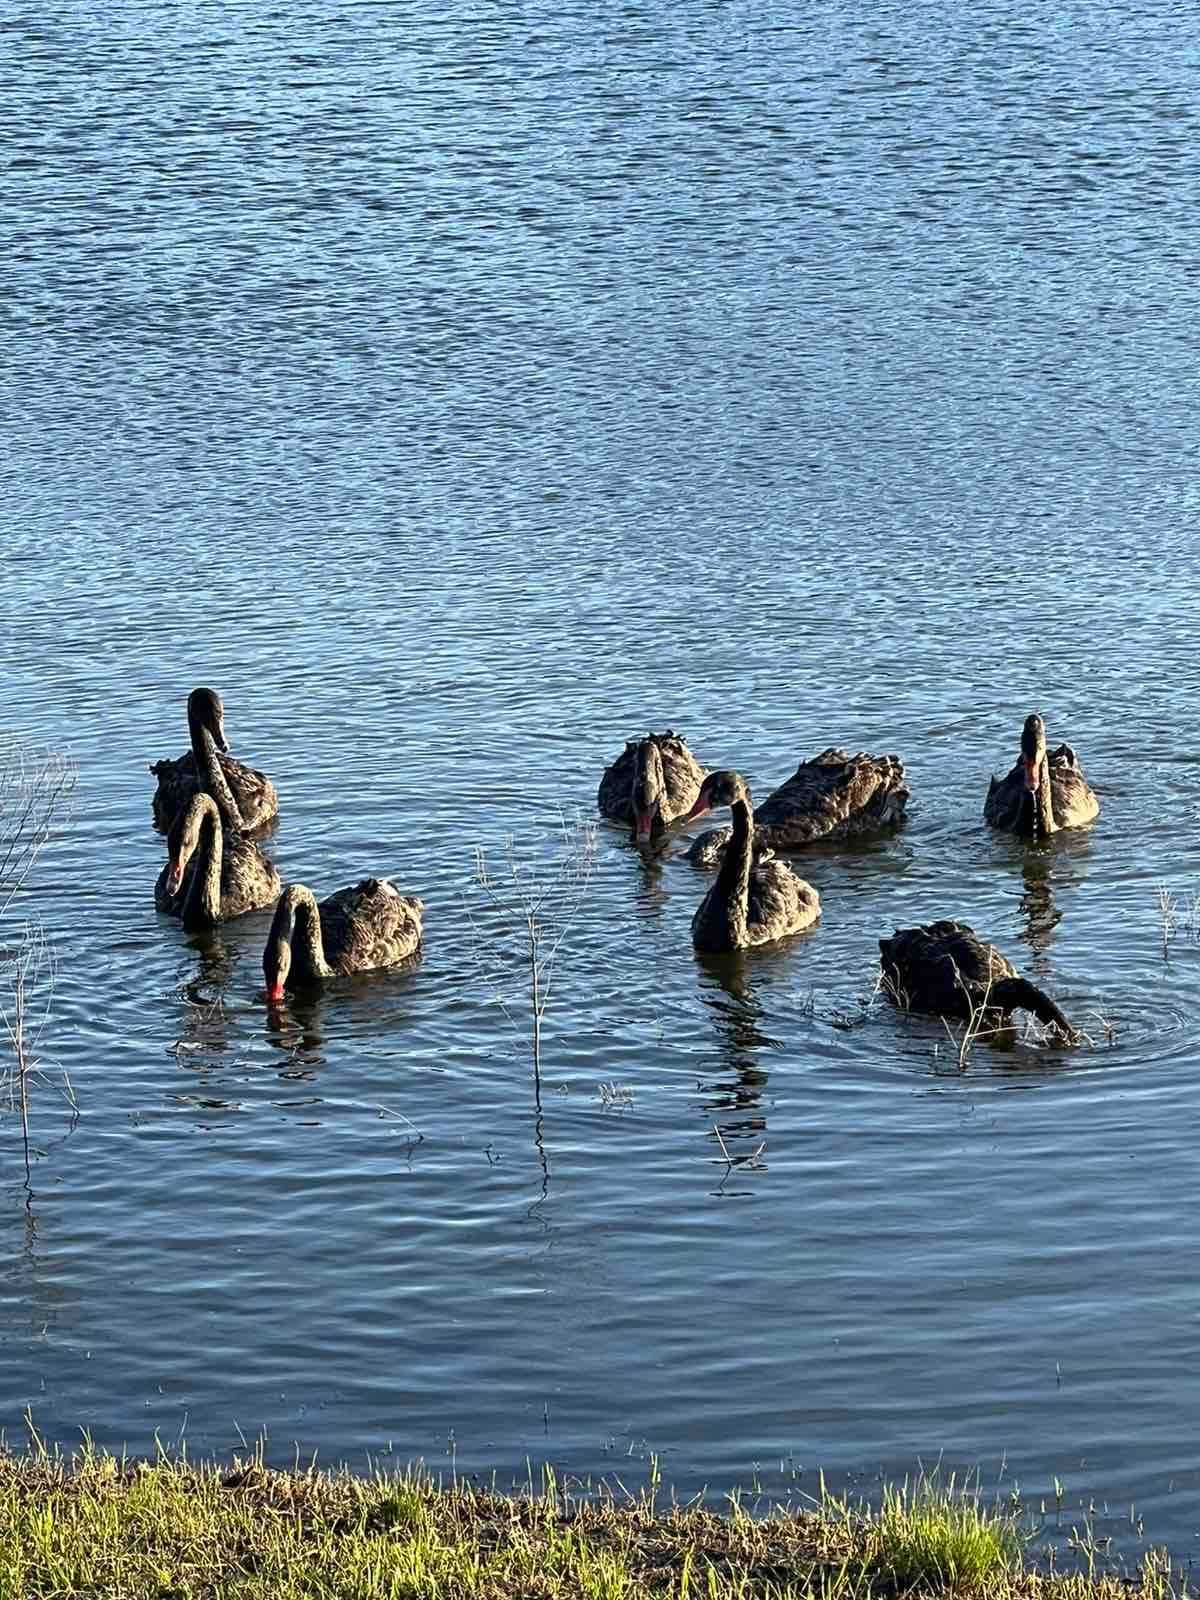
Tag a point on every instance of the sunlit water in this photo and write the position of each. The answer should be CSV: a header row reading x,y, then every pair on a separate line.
x,y
460,394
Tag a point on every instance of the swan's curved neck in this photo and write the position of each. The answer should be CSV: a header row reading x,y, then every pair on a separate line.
x,y
733,880
298,925
1043,804
202,908
212,776
1019,994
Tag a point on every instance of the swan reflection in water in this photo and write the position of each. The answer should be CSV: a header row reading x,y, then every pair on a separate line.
x,y
1041,914
651,895
729,990
296,1032
205,1033
368,1006
1055,865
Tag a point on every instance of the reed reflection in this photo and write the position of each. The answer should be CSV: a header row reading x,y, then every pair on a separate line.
x,y
33,1288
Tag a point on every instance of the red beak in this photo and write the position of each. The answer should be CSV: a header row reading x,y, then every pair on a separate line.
x,y
644,823
275,994
699,808
1031,772
174,878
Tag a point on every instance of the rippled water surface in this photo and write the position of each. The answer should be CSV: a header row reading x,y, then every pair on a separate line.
x,y
461,391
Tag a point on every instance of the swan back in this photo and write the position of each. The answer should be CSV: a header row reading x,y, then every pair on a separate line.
x,y
835,795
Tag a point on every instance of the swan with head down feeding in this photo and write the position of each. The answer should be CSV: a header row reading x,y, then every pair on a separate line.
x,y
945,968
362,928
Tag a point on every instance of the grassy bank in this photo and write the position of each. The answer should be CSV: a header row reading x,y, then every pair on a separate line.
x,y
98,1526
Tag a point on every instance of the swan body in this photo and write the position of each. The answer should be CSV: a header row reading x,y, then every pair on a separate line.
x,y
1044,791
835,795
358,929
247,798
653,782
754,900
947,969
209,878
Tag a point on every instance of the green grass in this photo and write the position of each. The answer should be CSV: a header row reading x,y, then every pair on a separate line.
x,y
928,1534
96,1525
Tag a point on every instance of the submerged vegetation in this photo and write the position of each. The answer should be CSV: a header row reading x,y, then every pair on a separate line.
x,y
100,1525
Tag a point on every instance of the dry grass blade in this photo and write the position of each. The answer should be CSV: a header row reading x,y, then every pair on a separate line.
x,y
534,909
36,787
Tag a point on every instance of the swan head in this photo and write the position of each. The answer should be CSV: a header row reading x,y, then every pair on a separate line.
x,y
648,790
277,975
1033,750
719,789
277,957
207,711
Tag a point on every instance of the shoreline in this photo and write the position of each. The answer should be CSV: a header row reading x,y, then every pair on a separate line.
x,y
94,1524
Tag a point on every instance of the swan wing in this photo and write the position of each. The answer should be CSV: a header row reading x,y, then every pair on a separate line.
x,y
683,775
249,880
1005,796
612,797
179,780
1073,798
832,796
780,902
370,924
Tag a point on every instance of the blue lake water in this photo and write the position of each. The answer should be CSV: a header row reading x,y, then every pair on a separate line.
x,y
461,393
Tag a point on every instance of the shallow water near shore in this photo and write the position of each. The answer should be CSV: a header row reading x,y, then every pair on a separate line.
x,y
461,399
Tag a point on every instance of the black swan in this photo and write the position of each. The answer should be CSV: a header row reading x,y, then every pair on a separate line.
x,y
1043,792
946,968
208,877
245,796
369,925
755,899
652,782
834,796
